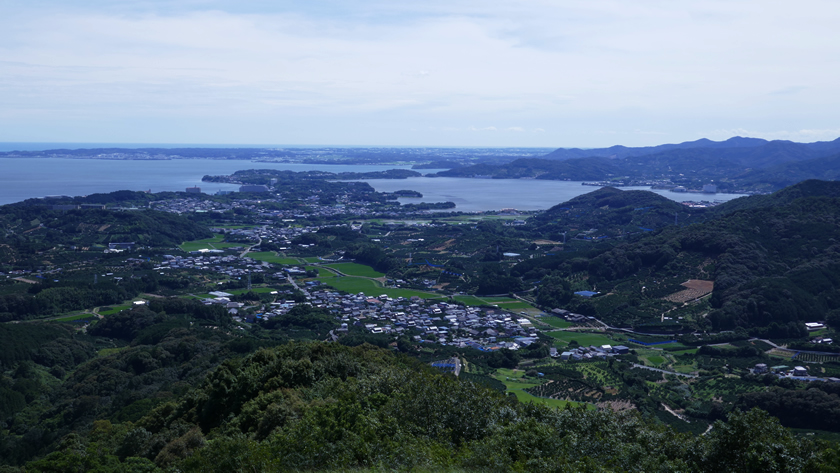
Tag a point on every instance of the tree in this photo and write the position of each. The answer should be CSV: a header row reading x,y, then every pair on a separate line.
x,y
752,441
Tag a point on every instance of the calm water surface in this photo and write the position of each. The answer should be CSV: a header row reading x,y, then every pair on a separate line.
x,y
24,178
522,194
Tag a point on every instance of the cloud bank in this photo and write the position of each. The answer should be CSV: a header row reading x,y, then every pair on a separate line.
x,y
582,73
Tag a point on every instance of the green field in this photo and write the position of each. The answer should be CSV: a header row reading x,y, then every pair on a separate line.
x,y
469,300
556,322
514,305
655,360
73,318
355,269
502,302
115,309
691,351
257,290
214,243
583,338
372,288
498,300
516,384
322,272
312,259
271,257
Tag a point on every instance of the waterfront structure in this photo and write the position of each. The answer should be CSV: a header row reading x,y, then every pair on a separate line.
x,y
251,188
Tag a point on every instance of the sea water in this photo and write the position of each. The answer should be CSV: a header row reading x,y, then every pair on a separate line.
x,y
24,178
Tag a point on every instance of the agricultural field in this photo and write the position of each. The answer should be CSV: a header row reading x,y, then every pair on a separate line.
x,y
518,305
516,383
76,318
272,257
114,309
258,290
654,360
322,271
598,374
356,269
583,338
470,300
723,388
501,302
215,243
373,288
555,322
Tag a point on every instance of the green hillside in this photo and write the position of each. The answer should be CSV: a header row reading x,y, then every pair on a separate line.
x,y
773,261
612,212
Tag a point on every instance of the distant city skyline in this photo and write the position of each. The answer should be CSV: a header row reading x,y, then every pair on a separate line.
x,y
460,73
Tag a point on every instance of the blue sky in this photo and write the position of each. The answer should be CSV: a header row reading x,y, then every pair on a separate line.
x,y
455,73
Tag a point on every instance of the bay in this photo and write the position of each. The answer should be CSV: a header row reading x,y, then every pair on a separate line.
x,y
474,195
24,178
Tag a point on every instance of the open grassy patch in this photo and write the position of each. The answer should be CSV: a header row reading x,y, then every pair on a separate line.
x,y
356,269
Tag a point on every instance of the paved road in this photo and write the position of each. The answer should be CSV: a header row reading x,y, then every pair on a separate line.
x,y
259,242
812,352
636,365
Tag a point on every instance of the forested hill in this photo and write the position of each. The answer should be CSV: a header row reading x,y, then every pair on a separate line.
x,y
619,151
316,406
786,174
31,229
772,266
579,169
613,212
768,166
807,188
738,142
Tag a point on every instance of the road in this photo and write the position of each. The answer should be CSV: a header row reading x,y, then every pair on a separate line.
x,y
650,368
258,243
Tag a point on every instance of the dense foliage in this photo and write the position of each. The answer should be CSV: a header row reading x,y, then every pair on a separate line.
x,y
326,406
772,265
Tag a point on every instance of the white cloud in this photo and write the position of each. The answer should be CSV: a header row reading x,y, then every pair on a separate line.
x,y
805,135
370,69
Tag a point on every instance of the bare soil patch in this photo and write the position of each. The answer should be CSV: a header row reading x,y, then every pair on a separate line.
x,y
616,406
444,246
695,289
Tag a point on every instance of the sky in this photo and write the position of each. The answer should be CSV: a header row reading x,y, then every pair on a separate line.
x,y
528,73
